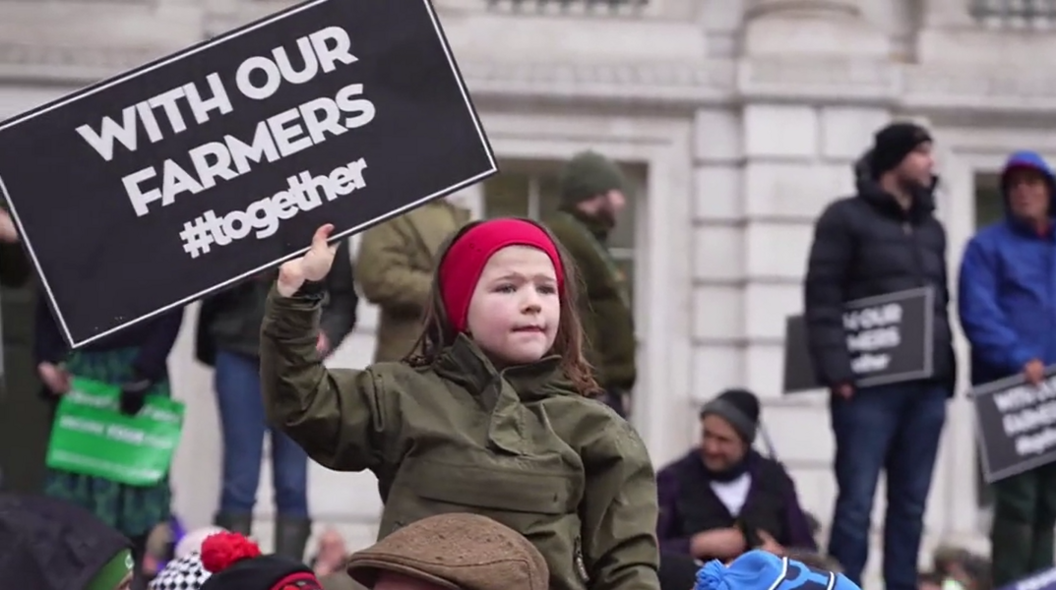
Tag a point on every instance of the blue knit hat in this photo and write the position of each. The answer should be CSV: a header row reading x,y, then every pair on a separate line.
x,y
759,570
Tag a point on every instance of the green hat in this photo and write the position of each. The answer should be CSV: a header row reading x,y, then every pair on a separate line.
x,y
113,573
589,174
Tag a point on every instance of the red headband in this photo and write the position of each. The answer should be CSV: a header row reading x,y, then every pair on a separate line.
x,y
465,259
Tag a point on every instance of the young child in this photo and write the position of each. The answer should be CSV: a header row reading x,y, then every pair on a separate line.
x,y
493,417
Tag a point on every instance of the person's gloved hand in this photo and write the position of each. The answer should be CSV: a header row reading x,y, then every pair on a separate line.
x,y
133,396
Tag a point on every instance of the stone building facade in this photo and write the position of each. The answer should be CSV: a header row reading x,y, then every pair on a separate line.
x,y
739,119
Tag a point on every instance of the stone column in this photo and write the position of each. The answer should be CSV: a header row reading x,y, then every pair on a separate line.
x,y
812,27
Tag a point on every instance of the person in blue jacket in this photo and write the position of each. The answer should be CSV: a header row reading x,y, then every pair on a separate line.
x,y
1008,312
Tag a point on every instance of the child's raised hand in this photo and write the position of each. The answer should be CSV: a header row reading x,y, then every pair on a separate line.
x,y
313,266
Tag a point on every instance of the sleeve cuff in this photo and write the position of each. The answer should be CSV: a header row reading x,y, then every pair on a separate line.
x,y
291,317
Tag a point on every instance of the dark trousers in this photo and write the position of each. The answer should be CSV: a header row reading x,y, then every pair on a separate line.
x,y
139,552
895,428
1022,540
244,424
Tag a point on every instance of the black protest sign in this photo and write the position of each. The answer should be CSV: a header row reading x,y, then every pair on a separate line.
x,y
1016,424
170,182
889,337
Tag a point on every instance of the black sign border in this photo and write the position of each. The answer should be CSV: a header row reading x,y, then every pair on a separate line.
x,y
196,48
989,389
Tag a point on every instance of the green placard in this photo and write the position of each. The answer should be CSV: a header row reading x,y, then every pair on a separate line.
x,y
91,436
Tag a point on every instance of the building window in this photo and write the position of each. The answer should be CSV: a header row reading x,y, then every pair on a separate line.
x,y
531,189
1021,13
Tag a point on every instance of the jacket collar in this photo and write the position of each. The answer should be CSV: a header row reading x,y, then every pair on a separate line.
x,y
597,228
464,363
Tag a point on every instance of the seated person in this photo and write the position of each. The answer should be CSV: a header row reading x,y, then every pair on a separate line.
x,y
723,498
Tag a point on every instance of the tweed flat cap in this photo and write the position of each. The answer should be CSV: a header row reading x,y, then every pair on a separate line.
x,y
455,551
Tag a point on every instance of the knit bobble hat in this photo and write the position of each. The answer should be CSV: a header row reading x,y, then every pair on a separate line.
x,y
236,563
760,570
183,573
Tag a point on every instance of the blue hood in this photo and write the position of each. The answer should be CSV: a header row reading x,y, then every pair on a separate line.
x,y
1033,161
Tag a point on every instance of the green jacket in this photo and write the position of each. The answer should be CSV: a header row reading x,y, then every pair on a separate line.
x,y
394,268
604,311
519,446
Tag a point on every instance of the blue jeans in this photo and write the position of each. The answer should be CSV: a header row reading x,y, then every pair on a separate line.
x,y
895,428
244,424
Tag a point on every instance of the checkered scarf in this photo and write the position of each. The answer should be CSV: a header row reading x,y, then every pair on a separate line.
x,y
186,573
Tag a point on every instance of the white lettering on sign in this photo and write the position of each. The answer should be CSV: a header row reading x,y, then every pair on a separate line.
x,y
264,216
281,135
871,332
142,115
82,425
872,317
870,363
870,340
125,434
1029,419
258,78
315,54
1028,416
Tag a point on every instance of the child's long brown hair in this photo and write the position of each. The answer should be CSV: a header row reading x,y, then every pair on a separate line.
x,y
437,333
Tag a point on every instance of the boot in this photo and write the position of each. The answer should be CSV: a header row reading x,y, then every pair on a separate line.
x,y
236,523
291,536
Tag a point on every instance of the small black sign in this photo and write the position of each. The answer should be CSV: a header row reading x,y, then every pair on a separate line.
x,y
1016,424
165,184
889,337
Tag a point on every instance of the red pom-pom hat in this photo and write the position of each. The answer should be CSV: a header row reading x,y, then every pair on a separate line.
x,y
222,550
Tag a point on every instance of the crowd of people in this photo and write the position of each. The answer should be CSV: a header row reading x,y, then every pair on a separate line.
x,y
887,239
503,368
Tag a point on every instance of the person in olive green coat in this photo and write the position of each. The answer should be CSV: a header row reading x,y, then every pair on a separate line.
x,y
494,417
394,267
593,192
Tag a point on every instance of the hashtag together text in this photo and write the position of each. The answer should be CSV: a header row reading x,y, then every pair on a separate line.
x,y
304,192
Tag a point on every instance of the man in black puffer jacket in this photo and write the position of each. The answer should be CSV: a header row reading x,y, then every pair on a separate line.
x,y
883,240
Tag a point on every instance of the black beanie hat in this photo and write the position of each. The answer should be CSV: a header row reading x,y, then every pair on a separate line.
x,y
740,408
893,143
49,544
236,563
